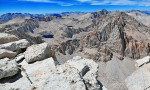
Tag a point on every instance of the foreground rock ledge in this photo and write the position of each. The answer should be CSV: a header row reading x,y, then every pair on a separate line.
x,y
140,79
76,74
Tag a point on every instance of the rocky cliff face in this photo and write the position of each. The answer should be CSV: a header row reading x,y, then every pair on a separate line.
x,y
21,25
112,33
28,26
69,46
48,18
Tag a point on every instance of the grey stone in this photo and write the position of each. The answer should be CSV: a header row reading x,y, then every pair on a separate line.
x,y
8,68
37,52
6,53
14,46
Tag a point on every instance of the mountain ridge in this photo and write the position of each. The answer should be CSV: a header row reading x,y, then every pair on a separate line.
x,y
10,16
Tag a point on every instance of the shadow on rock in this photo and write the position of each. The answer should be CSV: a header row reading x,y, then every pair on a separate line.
x,y
11,79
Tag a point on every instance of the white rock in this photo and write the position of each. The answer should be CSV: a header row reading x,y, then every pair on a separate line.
x,y
21,83
143,61
6,38
6,53
39,71
13,46
90,76
46,76
75,74
37,52
140,79
64,77
20,57
104,88
7,68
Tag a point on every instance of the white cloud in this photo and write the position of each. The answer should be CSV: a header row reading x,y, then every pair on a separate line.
x,y
117,2
50,1
96,2
84,0
37,0
124,2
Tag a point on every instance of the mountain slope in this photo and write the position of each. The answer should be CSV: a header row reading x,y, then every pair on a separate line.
x,y
140,16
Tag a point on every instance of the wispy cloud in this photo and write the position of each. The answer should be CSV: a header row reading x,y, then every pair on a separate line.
x,y
84,0
50,1
113,2
117,2
95,2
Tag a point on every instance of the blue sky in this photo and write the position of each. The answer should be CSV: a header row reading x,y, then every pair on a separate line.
x,y
55,6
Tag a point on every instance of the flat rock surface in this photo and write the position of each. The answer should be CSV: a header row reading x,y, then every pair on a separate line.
x,y
44,75
140,79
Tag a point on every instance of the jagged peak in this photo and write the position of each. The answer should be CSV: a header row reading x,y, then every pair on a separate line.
x,y
100,13
103,10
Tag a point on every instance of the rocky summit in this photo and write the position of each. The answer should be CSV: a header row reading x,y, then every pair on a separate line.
x,y
100,50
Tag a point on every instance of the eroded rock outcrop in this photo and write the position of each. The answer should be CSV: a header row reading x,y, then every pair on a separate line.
x,y
28,26
69,46
114,32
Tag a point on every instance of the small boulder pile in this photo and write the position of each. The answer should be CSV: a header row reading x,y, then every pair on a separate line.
x,y
10,47
13,50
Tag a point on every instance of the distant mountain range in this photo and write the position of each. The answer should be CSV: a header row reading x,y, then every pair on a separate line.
x,y
146,11
10,16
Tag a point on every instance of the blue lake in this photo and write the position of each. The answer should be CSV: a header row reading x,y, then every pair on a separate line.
x,y
48,36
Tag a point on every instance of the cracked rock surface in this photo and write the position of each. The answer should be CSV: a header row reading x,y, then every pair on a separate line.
x,y
45,75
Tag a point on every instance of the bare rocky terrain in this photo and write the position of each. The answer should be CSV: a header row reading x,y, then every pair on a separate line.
x,y
92,51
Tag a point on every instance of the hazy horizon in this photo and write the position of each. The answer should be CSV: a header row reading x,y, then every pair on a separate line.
x,y
58,6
